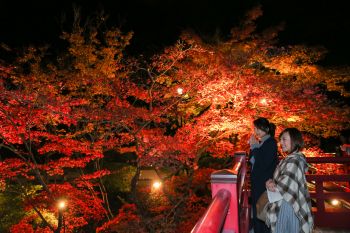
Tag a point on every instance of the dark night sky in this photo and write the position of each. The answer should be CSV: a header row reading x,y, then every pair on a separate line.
x,y
158,22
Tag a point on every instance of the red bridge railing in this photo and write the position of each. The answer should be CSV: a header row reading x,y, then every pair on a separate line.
x,y
325,190
229,211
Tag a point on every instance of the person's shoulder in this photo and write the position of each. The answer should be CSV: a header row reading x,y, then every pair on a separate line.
x,y
295,158
271,140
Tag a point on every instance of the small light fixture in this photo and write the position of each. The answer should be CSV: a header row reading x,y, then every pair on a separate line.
x,y
179,91
335,202
61,205
156,184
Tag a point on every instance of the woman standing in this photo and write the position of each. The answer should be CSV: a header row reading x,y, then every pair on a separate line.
x,y
263,157
292,213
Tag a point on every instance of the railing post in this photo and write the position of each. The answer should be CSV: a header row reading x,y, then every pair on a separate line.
x,y
227,179
214,217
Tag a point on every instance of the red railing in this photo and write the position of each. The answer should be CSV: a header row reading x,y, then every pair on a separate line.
x,y
213,219
229,211
326,189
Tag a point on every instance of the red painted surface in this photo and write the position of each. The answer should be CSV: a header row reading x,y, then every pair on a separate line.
x,y
214,217
231,224
232,183
238,215
325,189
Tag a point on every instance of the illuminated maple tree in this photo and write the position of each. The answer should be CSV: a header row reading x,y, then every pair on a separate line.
x,y
58,119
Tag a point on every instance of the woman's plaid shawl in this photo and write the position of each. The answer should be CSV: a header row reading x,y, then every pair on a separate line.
x,y
289,177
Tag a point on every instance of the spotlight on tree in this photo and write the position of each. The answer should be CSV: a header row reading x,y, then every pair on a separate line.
x,y
263,101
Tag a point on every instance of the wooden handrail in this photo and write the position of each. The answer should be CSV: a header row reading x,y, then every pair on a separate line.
x,y
329,217
328,160
236,218
214,217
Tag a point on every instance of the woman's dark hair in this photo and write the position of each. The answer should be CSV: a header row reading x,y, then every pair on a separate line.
x,y
264,125
296,138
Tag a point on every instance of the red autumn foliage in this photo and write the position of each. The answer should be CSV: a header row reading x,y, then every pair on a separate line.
x,y
126,219
64,116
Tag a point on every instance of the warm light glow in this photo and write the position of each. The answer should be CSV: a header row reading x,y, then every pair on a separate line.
x,y
263,101
61,204
180,91
335,202
156,184
293,119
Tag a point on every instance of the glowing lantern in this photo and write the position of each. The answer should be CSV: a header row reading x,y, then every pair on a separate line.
x,y
61,205
156,184
335,202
